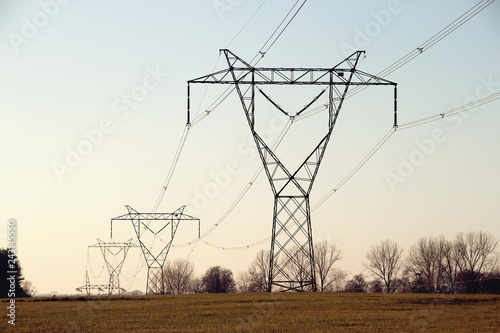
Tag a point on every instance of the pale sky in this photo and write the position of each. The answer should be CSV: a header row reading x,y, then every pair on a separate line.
x,y
100,89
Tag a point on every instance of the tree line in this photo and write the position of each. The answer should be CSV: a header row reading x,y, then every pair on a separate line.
x,y
467,264
12,282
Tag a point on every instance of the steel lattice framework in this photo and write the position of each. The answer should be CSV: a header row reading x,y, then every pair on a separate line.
x,y
292,254
142,223
110,251
88,287
114,266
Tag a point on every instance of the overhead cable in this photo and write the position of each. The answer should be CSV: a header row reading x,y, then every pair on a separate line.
x,y
375,149
437,37
398,64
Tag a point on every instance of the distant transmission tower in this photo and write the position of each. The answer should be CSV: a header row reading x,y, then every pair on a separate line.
x,y
143,226
114,255
292,253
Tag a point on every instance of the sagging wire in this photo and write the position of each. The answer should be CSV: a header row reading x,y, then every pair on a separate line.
x,y
224,95
242,193
257,58
451,112
437,37
372,152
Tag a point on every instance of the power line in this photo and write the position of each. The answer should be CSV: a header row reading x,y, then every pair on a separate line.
x,y
244,26
259,55
221,98
365,159
261,51
326,197
227,46
437,37
398,64
177,155
451,112
369,155
476,9
371,52
89,265
224,96
238,248
242,193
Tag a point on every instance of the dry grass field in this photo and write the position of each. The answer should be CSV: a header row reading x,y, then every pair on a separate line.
x,y
262,312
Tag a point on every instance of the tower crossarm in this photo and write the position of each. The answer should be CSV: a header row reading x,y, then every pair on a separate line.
x,y
133,214
137,217
337,75
292,76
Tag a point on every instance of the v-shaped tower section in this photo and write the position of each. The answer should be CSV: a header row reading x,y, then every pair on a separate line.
x,y
292,253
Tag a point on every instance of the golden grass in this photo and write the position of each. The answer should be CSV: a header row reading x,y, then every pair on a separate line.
x,y
262,312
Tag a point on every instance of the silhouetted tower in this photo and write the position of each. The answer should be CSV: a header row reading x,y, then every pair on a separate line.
x,y
292,253
114,254
147,224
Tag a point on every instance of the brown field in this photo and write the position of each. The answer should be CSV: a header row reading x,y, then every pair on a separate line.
x,y
261,312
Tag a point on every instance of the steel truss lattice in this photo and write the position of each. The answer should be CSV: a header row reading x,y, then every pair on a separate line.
x,y
110,251
292,253
114,255
88,287
142,223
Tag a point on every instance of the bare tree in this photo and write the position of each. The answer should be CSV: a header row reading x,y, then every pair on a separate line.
x,y
384,261
426,262
178,276
337,280
196,286
476,251
325,256
244,283
451,266
259,272
296,268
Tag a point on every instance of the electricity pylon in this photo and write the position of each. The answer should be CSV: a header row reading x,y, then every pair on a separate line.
x,y
292,254
114,255
110,251
142,223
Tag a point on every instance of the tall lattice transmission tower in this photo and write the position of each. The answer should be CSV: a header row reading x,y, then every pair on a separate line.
x,y
151,228
292,253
